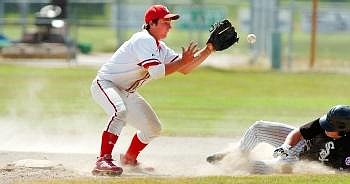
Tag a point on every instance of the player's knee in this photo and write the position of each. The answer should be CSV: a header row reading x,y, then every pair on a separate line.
x,y
259,123
154,130
157,128
121,113
256,124
116,127
151,132
145,137
116,124
117,120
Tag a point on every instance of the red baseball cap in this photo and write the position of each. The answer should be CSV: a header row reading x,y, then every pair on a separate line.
x,y
159,12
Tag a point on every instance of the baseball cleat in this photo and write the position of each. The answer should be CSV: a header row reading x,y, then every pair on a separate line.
x,y
125,160
216,157
105,166
134,164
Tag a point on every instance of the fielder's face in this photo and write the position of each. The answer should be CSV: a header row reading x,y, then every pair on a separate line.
x,y
160,30
333,135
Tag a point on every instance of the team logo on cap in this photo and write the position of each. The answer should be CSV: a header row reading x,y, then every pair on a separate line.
x,y
347,161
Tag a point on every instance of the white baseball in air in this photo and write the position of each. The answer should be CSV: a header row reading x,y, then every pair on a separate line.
x,y
251,38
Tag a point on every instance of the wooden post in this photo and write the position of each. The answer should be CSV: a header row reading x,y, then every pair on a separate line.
x,y
313,33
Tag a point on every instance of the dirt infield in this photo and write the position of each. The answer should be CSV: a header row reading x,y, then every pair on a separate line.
x,y
28,153
170,156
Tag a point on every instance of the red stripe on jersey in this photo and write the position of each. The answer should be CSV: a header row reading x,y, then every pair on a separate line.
x,y
147,65
148,60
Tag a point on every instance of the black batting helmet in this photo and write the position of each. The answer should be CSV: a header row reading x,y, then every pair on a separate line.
x,y
337,119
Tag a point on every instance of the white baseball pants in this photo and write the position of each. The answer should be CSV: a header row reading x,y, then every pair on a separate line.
x,y
123,107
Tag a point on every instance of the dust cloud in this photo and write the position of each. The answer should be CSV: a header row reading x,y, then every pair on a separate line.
x,y
235,163
26,127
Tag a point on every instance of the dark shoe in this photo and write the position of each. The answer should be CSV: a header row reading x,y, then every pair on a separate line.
x,y
216,157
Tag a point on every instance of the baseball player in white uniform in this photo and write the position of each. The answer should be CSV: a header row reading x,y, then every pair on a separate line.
x,y
142,58
324,139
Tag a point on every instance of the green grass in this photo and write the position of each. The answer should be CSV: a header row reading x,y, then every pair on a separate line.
x,y
225,102
329,46
93,36
272,179
206,102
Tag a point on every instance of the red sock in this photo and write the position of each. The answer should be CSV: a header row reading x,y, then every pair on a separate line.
x,y
134,149
107,144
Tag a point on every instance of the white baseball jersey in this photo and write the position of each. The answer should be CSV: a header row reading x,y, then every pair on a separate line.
x,y
138,60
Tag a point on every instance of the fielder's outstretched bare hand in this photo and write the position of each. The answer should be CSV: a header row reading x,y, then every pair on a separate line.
x,y
188,53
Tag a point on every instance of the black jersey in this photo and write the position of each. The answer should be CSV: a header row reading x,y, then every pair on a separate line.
x,y
331,152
